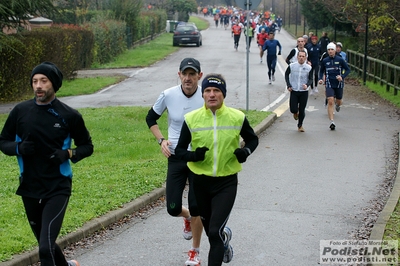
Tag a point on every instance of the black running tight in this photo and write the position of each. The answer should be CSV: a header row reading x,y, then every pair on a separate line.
x,y
215,197
45,217
298,102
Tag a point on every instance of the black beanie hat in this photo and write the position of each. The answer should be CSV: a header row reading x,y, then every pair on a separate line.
x,y
214,80
51,71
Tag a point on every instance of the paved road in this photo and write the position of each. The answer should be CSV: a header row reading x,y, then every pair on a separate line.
x,y
295,190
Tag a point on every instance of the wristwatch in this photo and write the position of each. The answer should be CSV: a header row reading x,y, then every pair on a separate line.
x,y
160,141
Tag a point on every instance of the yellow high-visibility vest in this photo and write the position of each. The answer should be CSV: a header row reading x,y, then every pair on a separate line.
x,y
220,132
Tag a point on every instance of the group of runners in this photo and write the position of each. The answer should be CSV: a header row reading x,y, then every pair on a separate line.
x,y
324,64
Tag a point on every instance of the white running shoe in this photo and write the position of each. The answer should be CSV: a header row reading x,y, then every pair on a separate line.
x,y
228,254
273,77
73,263
194,258
187,229
316,90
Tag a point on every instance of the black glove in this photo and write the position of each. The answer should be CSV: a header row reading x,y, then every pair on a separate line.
x,y
26,147
200,153
279,53
242,154
59,156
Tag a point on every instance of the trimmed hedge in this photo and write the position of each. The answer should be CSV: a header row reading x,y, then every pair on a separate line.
x,y
69,47
110,39
148,24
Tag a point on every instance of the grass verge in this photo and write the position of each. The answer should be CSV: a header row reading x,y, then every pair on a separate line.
x,y
383,93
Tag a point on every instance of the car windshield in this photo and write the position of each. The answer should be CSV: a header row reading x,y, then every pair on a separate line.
x,y
185,28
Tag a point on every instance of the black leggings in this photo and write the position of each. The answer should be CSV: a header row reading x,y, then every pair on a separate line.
x,y
177,175
248,44
298,102
271,63
45,218
215,197
315,68
236,39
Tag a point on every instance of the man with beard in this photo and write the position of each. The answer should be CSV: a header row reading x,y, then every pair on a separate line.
x,y
40,133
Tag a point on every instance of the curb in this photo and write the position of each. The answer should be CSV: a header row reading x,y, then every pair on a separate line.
x,y
379,227
99,223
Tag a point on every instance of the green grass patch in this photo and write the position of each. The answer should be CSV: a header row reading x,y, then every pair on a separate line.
x,y
392,229
145,54
82,86
126,164
382,92
201,23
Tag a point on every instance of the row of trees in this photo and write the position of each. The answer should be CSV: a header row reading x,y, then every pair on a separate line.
x,y
383,22
345,15
349,17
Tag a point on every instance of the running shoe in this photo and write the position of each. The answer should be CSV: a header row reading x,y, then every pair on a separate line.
x,y
270,81
228,254
296,116
73,263
311,92
300,129
332,126
337,108
273,77
194,258
260,60
187,229
316,90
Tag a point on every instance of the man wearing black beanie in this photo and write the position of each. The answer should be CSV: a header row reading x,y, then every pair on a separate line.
x,y
40,133
215,158
51,71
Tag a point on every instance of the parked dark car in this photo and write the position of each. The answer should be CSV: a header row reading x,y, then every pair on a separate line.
x,y
187,33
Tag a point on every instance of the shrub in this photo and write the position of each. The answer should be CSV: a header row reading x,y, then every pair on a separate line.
x,y
110,39
69,47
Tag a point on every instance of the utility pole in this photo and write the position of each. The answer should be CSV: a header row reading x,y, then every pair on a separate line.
x,y
366,46
284,12
297,16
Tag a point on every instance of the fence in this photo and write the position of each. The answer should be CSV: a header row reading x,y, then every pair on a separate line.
x,y
377,70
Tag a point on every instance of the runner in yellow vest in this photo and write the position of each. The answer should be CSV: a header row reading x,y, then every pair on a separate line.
x,y
214,132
